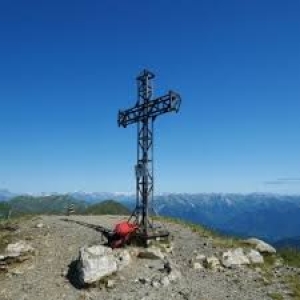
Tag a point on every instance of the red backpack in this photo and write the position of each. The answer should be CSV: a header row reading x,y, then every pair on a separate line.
x,y
125,228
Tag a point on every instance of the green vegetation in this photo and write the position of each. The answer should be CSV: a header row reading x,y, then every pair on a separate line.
x,y
108,207
270,260
4,210
294,283
219,240
5,238
57,204
276,296
290,257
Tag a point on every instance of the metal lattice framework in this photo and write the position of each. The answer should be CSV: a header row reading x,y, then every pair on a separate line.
x,y
144,114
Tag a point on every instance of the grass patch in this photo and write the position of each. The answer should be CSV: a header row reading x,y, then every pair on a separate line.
x,y
294,283
269,260
276,296
218,239
8,228
267,268
5,239
291,257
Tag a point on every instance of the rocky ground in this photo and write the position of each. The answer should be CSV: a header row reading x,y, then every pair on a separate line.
x,y
47,272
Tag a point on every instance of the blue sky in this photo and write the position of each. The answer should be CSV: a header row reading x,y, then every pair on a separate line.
x,y
67,67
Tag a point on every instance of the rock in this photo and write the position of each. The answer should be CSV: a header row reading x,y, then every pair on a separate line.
x,y
167,247
255,257
16,272
168,266
143,280
18,249
211,262
2,257
123,258
151,253
95,263
265,281
165,281
134,252
200,257
110,284
39,225
197,266
174,275
155,284
234,258
260,245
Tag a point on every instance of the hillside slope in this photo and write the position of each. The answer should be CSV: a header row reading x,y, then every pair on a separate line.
x,y
56,204
108,207
48,274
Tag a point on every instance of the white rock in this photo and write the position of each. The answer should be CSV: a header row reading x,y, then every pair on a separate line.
x,y
151,253
261,246
200,257
174,275
211,262
17,249
134,252
39,225
167,248
255,257
95,263
16,272
197,266
2,257
155,284
234,258
165,281
110,283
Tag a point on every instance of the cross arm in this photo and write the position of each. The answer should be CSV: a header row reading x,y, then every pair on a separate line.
x,y
152,109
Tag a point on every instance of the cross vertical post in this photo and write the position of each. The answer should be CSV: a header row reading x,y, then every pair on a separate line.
x,y
144,113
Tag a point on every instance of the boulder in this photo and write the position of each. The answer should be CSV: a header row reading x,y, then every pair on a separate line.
x,y
261,246
151,253
234,258
94,263
255,257
17,249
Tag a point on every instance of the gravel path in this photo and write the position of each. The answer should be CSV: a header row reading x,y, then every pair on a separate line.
x,y
57,244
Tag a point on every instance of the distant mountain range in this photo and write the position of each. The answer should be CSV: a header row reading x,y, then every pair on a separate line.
x,y
269,216
285,243
6,195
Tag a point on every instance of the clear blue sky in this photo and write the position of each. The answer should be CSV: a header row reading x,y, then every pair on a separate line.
x,y
66,67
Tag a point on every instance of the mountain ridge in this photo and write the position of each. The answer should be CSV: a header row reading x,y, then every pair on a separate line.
x,y
269,216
